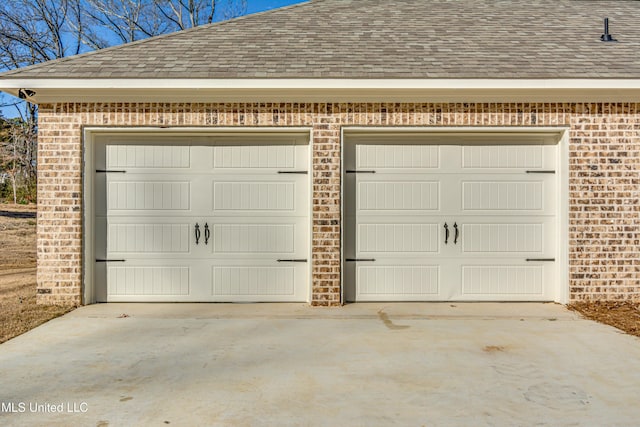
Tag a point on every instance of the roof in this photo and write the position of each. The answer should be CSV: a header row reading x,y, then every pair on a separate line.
x,y
375,39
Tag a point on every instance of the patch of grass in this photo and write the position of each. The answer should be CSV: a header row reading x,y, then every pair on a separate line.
x,y
19,312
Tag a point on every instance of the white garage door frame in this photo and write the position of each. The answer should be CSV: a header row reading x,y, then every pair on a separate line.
x,y
557,136
91,134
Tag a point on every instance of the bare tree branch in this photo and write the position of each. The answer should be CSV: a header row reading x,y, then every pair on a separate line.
x,y
34,31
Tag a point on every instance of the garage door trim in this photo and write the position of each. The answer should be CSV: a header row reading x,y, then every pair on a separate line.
x,y
558,136
91,134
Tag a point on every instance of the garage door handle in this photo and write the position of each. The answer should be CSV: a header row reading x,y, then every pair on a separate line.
x,y
352,171
446,233
540,171
455,238
197,233
541,259
292,260
360,260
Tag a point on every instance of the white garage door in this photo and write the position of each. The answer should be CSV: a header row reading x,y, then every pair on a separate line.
x,y
450,222
227,222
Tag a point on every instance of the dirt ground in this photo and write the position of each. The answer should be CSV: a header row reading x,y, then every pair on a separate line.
x,y
19,312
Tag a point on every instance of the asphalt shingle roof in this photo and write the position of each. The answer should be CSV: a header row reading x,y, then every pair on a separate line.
x,y
384,39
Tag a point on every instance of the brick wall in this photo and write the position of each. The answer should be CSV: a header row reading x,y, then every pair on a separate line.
x,y
604,177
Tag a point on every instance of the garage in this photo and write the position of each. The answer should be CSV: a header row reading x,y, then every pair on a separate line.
x,y
201,218
466,217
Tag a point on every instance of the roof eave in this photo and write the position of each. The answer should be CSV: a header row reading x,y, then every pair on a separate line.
x,y
325,90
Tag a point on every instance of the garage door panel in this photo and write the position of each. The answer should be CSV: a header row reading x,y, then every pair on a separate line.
x,y
253,239
139,194
138,281
398,239
507,157
502,280
501,196
254,196
398,196
149,238
510,236
263,194
257,158
397,282
148,157
503,238
397,157
507,194
140,237
269,282
507,281
148,195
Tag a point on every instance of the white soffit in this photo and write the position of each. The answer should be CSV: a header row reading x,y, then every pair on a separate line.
x,y
325,90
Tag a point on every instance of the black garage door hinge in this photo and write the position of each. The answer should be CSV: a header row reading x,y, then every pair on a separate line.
x,y
110,260
109,171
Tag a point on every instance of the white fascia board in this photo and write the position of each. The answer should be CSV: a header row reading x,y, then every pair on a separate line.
x,y
321,83
327,90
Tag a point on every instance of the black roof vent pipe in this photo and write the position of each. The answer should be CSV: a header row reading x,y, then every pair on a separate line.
x,y
606,37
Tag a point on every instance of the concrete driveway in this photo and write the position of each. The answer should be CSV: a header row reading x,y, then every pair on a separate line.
x,y
360,365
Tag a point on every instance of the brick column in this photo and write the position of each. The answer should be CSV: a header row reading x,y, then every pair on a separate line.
x,y
326,208
59,227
